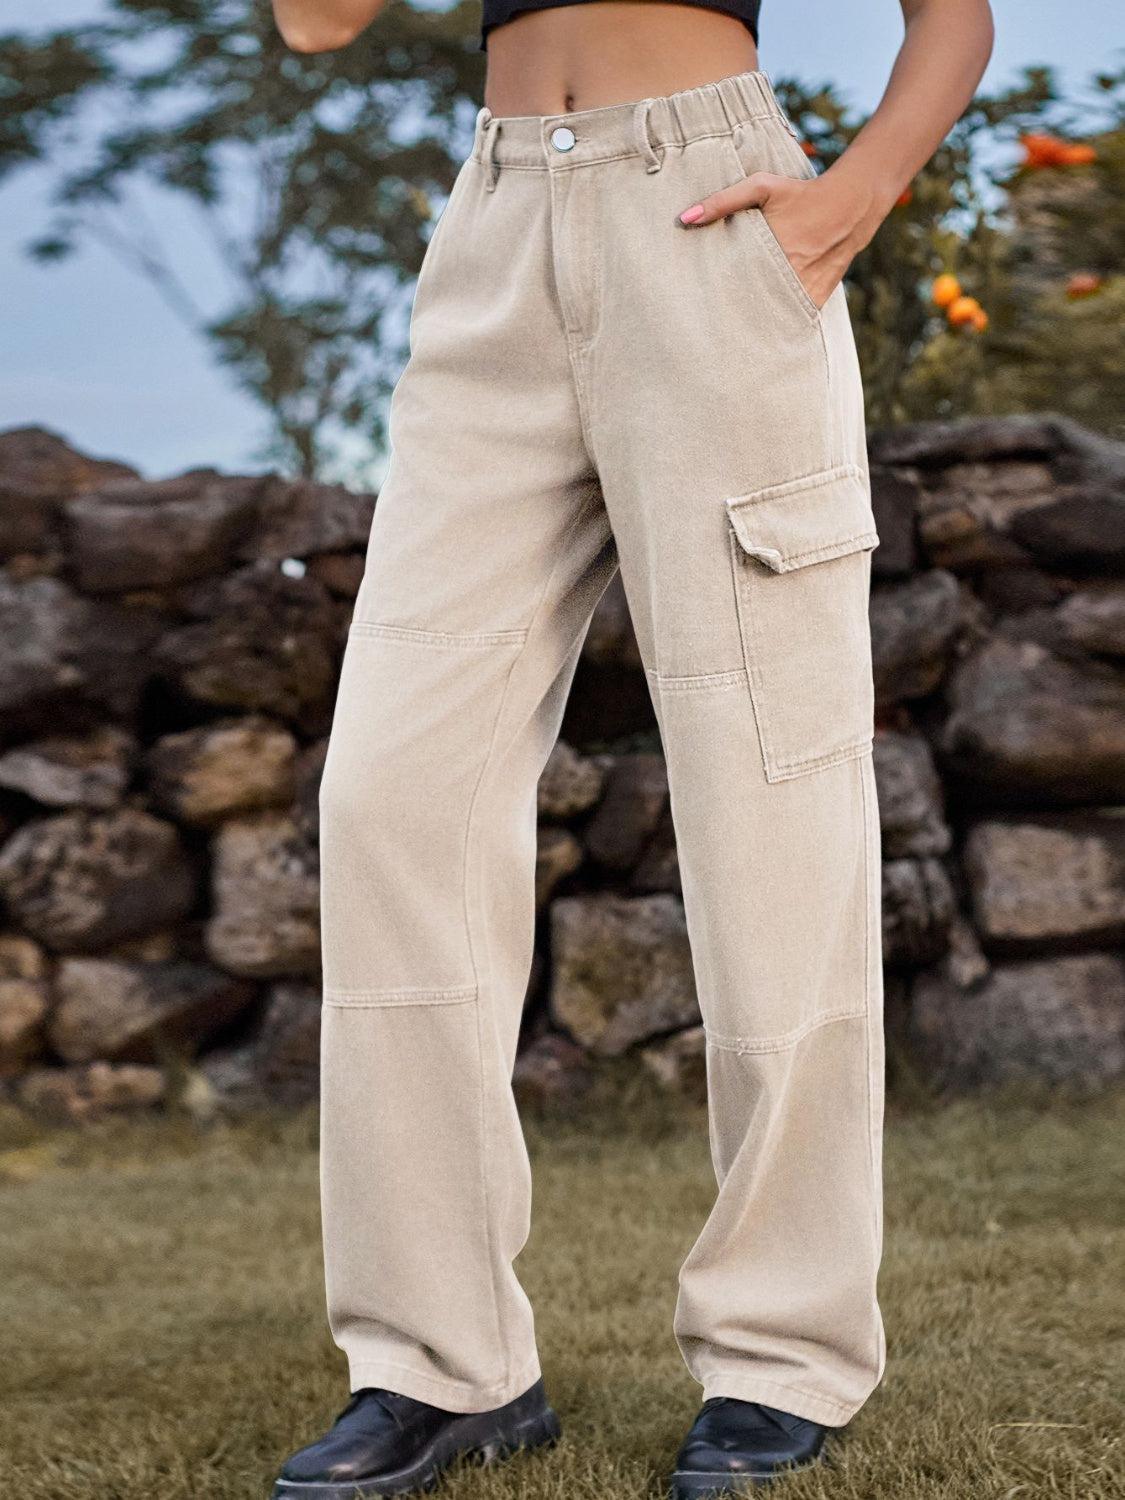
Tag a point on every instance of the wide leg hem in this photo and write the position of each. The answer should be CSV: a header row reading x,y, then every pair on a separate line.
x,y
793,1399
448,1395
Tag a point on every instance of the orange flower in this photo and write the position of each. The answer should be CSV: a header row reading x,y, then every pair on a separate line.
x,y
1042,150
980,320
963,310
809,148
1083,284
945,290
1078,155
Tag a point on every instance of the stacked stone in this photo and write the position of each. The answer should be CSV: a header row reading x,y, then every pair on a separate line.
x,y
170,658
170,663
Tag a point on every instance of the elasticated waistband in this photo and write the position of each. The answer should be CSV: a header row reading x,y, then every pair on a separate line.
x,y
640,128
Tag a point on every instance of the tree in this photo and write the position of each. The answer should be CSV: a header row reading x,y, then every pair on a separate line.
x,y
315,177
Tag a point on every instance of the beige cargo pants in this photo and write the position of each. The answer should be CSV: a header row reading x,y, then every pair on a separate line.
x,y
591,384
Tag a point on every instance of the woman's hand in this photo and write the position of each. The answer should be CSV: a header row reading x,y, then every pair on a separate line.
x,y
818,227
822,222
323,25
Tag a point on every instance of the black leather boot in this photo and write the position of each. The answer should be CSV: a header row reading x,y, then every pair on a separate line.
x,y
734,1445
386,1444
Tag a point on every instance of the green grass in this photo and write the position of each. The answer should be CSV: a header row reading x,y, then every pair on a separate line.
x,y
164,1335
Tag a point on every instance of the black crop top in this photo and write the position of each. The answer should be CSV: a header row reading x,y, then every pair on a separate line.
x,y
495,12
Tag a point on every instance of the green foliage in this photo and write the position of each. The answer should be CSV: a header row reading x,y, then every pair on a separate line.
x,y
318,179
314,176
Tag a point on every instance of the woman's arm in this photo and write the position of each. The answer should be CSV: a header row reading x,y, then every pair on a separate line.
x,y
822,222
323,25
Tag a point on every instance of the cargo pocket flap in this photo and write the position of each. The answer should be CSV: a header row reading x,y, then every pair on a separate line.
x,y
807,520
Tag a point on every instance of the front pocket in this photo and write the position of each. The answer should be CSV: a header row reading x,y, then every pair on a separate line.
x,y
775,251
769,145
800,552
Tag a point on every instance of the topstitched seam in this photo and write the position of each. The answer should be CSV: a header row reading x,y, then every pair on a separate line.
x,y
696,682
751,1045
375,999
828,547
438,638
814,481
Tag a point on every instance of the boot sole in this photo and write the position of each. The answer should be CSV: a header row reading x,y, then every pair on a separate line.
x,y
473,1437
688,1484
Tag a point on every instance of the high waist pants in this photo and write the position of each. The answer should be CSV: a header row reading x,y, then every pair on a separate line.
x,y
591,385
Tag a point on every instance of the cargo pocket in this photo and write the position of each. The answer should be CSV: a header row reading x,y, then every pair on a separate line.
x,y
802,571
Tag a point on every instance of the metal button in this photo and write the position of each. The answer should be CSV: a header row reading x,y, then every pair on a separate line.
x,y
563,138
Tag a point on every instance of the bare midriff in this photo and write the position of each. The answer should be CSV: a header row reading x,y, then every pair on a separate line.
x,y
604,52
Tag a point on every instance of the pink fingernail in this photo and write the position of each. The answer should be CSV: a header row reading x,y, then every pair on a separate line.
x,y
693,214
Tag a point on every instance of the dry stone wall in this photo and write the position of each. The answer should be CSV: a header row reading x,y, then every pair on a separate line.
x,y
170,658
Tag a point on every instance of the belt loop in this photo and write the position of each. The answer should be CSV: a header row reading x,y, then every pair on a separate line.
x,y
727,116
644,140
488,152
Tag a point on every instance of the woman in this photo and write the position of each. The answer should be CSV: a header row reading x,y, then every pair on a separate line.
x,y
629,346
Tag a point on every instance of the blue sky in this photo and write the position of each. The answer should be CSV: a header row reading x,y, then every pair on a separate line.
x,y
90,349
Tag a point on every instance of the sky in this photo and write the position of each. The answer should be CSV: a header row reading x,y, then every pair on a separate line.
x,y
90,350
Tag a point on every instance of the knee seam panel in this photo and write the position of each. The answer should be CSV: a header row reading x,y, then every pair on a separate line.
x,y
413,636
371,999
747,1044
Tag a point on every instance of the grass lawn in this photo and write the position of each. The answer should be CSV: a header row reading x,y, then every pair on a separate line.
x,y
164,1337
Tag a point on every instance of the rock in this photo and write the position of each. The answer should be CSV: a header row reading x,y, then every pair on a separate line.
x,y
622,970
341,573
1042,882
76,771
159,947
20,958
894,499
265,890
635,796
79,1095
261,643
570,784
23,1008
1024,723
659,866
914,627
38,470
287,1049
965,963
934,445
918,911
679,1063
81,880
558,854
64,654
1059,1019
234,766
966,515
1084,530
309,771
911,804
551,1070
140,535
1017,588
1094,619
280,1066
610,640
297,518
131,1012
